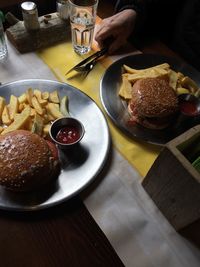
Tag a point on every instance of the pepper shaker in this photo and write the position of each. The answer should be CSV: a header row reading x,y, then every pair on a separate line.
x,y
62,9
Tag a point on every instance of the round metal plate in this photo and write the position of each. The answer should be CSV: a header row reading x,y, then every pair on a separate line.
x,y
116,108
79,166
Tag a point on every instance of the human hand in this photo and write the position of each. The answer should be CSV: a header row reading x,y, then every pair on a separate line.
x,y
116,28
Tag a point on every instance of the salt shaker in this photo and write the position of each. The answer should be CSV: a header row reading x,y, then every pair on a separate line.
x,y
62,9
30,16
3,46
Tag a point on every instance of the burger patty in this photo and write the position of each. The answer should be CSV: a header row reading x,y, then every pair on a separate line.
x,y
148,122
153,97
26,161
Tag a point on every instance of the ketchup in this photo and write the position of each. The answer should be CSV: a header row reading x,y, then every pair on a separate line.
x,y
68,135
189,108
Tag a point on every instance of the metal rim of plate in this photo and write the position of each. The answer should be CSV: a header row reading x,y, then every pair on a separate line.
x,y
80,167
116,108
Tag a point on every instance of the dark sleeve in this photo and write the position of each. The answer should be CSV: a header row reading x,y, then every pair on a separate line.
x,y
142,8
137,5
153,16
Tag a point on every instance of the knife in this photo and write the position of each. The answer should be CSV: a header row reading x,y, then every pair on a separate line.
x,y
96,55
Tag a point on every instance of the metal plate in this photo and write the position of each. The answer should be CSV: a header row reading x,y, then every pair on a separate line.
x,y
79,166
117,108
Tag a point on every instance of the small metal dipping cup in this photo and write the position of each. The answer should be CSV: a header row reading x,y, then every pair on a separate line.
x,y
188,98
58,124
186,117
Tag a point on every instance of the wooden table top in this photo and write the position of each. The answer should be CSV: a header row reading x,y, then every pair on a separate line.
x,y
65,235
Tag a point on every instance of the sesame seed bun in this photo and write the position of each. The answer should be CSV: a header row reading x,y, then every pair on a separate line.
x,y
26,161
153,102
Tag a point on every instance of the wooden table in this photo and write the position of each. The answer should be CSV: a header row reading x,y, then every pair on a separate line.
x,y
62,236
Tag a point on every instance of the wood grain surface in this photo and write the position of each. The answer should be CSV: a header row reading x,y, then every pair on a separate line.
x,y
65,235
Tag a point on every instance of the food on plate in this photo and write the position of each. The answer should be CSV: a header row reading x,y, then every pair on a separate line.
x,y
152,93
178,81
54,110
33,110
164,66
5,118
13,106
153,103
189,105
53,97
27,161
2,104
19,121
64,106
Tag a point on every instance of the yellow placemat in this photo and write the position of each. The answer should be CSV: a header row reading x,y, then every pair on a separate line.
x,y
61,58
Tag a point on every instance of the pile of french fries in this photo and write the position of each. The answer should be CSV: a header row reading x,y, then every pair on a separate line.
x,y
34,110
178,81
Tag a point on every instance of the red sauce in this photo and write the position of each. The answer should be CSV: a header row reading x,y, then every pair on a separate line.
x,y
68,135
188,108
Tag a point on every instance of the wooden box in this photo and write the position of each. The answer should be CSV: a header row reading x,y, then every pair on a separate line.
x,y
173,183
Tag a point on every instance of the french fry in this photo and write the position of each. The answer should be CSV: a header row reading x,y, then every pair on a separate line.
x,y
45,95
46,118
53,97
125,88
28,124
33,110
173,78
153,73
43,102
19,122
37,106
188,83
13,106
21,107
2,105
181,90
46,129
6,116
22,98
164,66
29,96
38,94
53,109
50,117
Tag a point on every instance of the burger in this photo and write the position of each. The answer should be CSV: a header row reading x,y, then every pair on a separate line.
x,y
27,161
153,104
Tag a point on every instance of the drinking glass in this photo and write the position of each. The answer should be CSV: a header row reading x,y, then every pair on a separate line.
x,y
3,46
82,19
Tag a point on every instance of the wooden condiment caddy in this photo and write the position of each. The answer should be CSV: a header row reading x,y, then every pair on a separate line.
x,y
173,183
52,30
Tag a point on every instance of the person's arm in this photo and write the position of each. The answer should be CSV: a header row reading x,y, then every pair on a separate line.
x,y
139,6
114,31
130,14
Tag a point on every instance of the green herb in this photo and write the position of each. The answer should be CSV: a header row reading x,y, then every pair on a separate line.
x,y
2,18
196,164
